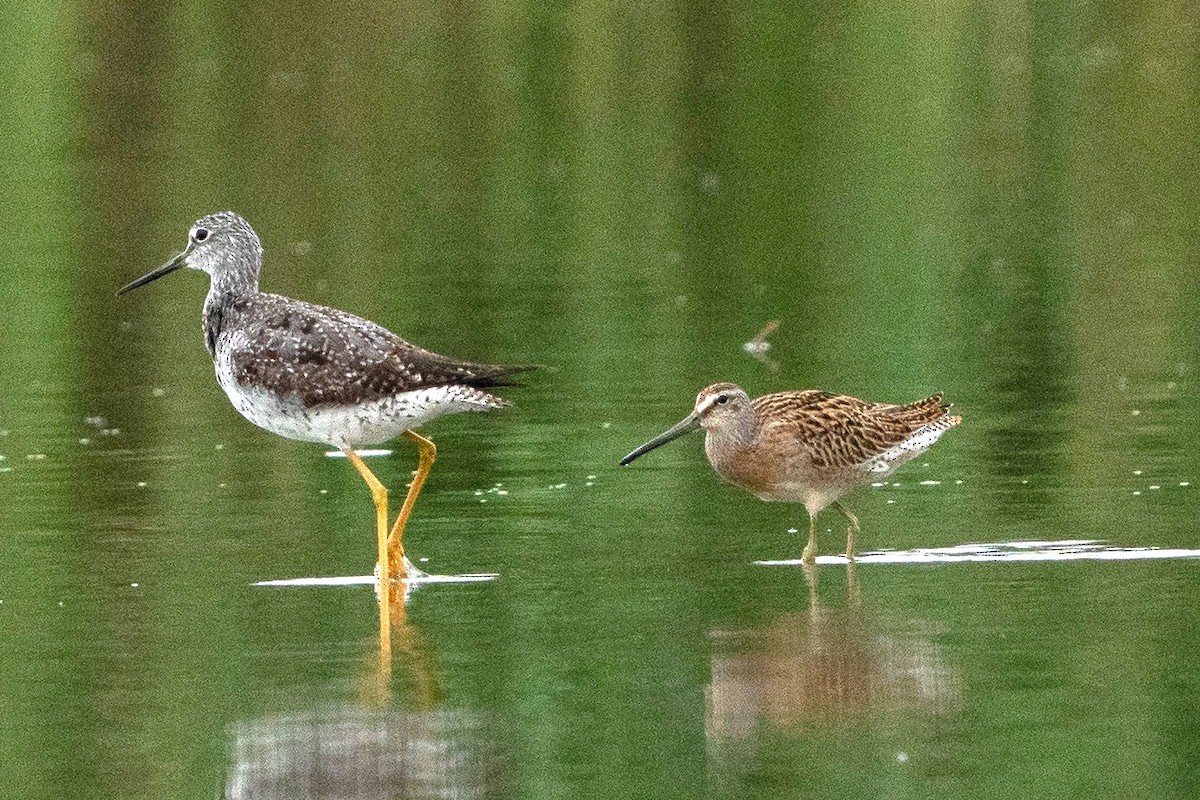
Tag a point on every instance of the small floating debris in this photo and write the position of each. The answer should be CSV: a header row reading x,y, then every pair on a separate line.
x,y
758,346
931,483
157,392
35,457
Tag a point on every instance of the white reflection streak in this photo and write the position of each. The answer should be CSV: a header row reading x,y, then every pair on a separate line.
x,y
370,580
1066,550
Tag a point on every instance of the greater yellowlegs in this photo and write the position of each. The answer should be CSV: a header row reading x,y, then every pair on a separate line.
x,y
318,374
807,447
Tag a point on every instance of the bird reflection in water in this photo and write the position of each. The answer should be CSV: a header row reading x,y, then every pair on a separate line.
x,y
370,749
803,671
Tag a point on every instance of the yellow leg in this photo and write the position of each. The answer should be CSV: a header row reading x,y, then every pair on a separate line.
x,y
851,529
426,453
809,556
379,495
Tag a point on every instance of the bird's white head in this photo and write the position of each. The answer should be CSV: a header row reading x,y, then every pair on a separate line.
x,y
221,244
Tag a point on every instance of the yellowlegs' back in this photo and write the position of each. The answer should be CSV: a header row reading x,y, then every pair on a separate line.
x,y
317,374
807,447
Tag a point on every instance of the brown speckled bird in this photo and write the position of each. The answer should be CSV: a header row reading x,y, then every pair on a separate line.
x,y
807,447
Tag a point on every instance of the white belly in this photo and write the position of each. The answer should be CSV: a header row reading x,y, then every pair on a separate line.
x,y
361,425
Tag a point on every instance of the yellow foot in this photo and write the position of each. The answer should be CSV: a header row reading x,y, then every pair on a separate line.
x,y
398,566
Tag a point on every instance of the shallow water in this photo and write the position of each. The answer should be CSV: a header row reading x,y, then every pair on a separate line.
x,y
990,201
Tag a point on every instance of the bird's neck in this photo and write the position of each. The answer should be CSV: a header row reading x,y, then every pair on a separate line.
x,y
237,280
218,307
730,437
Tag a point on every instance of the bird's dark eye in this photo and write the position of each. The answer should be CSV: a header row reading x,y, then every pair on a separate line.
x,y
722,399
200,235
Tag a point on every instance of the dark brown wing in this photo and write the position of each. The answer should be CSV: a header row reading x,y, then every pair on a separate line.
x,y
840,431
323,355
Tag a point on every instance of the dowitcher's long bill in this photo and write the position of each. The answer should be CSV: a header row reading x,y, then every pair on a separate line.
x,y
317,374
807,447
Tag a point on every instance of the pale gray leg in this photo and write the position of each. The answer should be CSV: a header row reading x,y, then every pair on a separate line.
x,y
810,577
852,585
851,529
809,556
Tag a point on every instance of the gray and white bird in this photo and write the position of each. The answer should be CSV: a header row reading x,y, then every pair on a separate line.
x,y
317,374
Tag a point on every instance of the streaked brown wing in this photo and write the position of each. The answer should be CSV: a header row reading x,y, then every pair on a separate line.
x,y
841,431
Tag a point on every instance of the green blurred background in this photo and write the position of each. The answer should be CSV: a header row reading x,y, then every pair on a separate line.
x,y
994,200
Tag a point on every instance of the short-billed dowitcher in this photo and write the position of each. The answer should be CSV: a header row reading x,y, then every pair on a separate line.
x,y
807,447
317,374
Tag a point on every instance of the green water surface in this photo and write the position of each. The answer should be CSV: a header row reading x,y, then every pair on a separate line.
x,y
997,201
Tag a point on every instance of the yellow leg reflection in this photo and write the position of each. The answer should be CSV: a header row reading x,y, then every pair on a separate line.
x,y
412,653
427,453
379,495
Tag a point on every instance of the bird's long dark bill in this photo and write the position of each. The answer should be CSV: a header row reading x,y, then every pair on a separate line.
x,y
172,265
688,424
